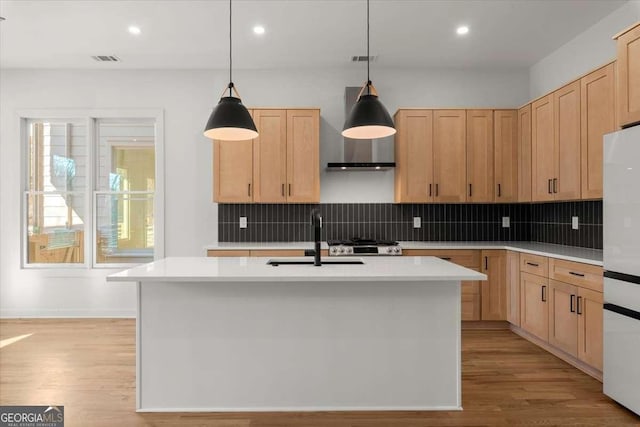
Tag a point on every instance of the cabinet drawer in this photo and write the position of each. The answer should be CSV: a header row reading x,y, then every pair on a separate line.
x,y
534,264
227,252
576,273
464,257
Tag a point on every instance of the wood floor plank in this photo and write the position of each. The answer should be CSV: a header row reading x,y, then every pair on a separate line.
x,y
88,365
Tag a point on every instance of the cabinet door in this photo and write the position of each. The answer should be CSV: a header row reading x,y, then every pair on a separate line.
x,y
480,156
543,155
629,77
449,155
597,118
506,155
534,313
233,171
589,309
524,154
471,306
566,107
414,156
270,156
494,289
303,156
513,287
563,320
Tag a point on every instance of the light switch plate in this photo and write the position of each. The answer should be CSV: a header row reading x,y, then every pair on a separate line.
x,y
506,222
243,222
574,222
417,222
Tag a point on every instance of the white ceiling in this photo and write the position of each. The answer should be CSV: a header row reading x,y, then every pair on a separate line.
x,y
299,33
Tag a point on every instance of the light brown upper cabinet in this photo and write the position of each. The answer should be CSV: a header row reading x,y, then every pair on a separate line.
x,y
270,156
282,165
524,154
597,118
480,156
233,171
628,73
566,107
555,142
506,155
303,156
414,156
449,156
543,157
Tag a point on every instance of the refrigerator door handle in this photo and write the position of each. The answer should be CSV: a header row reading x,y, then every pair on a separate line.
x,y
622,311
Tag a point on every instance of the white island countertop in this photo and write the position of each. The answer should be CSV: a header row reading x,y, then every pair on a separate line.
x,y
255,269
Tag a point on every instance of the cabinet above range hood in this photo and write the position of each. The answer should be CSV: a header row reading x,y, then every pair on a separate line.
x,y
363,154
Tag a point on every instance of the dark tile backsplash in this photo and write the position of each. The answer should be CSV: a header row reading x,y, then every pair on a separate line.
x,y
549,222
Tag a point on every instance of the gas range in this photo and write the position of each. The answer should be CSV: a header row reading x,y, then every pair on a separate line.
x,y
358,246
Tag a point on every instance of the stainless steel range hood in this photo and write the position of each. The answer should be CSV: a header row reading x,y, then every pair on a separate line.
x,y
363,154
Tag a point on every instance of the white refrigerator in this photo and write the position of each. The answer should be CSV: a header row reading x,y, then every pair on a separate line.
x,y
621,202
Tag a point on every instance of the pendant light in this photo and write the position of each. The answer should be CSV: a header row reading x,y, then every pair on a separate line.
x,y
369,119
230,120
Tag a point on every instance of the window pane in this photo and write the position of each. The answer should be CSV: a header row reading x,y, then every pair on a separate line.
x,y
57,156
55,228
126,159
124,228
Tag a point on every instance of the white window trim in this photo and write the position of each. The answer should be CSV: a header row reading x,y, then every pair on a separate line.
x,y
90,116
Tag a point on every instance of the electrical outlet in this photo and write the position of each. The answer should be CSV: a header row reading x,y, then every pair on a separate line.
x,y
506,222
243,222
574,222
417,222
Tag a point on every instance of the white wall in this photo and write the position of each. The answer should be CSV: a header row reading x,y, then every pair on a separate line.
x,y
187,97
587,51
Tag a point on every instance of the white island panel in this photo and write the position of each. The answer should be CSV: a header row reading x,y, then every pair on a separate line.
x,y
274,347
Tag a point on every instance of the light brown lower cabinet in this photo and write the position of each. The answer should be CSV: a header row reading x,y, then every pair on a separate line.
x,y
513,287
494,289
563,317
471,303
534,307
589,310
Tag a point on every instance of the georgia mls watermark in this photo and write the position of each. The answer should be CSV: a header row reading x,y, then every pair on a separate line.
x,y
32,416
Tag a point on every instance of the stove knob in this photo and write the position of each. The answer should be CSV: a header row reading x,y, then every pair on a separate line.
x,y
341,250
389,250
334,250
396,250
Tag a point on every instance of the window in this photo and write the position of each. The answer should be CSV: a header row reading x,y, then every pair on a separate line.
x,y
90,191
55,196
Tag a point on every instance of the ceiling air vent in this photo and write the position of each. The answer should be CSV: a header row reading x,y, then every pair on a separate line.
x,y
363,58
106,58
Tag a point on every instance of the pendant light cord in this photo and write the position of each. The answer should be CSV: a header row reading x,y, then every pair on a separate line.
x,y
368,55
230,50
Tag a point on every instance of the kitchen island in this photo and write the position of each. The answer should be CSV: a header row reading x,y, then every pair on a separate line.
x,y
236,334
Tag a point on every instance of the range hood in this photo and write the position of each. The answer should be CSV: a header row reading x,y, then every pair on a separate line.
x,y
363,154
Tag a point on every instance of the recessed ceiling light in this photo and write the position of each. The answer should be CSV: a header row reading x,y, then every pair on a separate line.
x,y
462,30
134,30
258,29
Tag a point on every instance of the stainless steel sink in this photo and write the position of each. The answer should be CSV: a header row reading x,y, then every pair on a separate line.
x,y
303,261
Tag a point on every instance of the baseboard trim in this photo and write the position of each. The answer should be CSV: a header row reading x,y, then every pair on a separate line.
x,y
485,324
66,314
576,363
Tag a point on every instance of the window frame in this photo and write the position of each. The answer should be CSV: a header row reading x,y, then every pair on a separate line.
x,y
91,118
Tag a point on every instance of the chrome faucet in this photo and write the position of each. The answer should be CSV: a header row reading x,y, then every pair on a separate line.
x,y
316,222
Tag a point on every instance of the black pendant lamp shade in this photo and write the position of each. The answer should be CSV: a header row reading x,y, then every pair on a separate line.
x,y
230,120
369,119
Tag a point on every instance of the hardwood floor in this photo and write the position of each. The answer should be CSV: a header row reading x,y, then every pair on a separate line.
x,y
88,365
